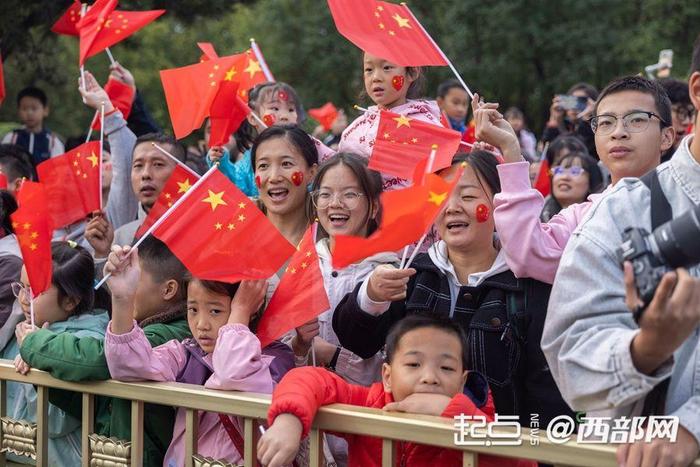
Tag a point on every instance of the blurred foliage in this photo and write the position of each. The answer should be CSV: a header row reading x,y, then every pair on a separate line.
x,y
519,52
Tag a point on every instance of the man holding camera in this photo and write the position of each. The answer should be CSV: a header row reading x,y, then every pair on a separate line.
x,y
602,360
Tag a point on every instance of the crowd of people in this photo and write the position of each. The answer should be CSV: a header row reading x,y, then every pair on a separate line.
x,y
517,304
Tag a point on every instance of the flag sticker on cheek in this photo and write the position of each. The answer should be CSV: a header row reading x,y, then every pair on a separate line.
x,y
269,119
298,178
397,82
482,213
258,182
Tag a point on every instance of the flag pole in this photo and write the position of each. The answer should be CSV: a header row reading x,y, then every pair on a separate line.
x,y
175,159
257,119
261,60
112,61
431,159
449,63
102,140
83,10
403,257
165,215
31,306
415,250
89,133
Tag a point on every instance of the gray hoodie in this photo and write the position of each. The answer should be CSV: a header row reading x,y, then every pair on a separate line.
x,y
589,329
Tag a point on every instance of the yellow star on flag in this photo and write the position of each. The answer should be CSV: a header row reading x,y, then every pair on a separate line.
x,y
93,158
241,218
215,199
34,235
402,22
253,67
27,226
33,246
304,265
437,198
230,74
184,186
168,196
402,120
218,226
230,226
241,205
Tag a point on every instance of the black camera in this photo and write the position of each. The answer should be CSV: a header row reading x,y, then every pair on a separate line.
x,y
675,244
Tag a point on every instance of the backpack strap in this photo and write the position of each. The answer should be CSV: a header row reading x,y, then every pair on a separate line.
x,y
517,300
661,211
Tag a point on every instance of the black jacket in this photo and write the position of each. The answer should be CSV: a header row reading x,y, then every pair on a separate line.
x,y
506,350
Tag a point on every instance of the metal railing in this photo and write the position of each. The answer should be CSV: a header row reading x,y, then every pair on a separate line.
x,y
252,408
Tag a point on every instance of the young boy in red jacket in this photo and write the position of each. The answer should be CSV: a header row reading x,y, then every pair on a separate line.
x,y
425,373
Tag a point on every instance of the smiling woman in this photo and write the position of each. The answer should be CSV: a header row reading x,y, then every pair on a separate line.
x,y
573,179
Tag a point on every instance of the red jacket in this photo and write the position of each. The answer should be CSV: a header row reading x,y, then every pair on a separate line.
x,y
303,390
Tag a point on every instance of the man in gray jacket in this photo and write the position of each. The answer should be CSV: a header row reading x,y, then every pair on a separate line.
x,y
601,360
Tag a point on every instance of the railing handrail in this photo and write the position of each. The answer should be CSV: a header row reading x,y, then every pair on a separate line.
x,y
422,429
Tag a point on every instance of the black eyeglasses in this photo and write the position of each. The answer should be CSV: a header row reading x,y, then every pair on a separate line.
x,y
634,122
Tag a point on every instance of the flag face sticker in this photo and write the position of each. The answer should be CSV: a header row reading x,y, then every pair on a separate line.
x,y
402,143
220,234
386,30
32,225
72,182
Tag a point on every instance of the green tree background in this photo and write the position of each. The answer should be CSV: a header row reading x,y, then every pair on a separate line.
x,y
519,52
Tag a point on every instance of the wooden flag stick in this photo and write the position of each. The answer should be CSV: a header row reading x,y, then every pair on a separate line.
x,y
449,63
102,140
261,60
415,251
257,119
175,159
111,57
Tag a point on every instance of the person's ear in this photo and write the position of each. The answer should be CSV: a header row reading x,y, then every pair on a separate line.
x,y
694,91
412,73
69,304
16,184
312,171
170,289
46,111
373,209
465,375
386,377
440,101
668,136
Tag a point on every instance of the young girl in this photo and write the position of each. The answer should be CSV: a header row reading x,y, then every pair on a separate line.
x,y
275,104
67,306
223,354
10,266
465,276
573,180
346,202
390,87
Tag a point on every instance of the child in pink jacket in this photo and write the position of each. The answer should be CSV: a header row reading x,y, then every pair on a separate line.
x,y
223,354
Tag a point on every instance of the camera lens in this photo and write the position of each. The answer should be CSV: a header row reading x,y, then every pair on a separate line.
x,y
678,241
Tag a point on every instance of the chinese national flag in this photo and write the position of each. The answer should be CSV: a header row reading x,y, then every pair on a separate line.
x,y
542,182
67,23
325,115
403,142
122,97
190,90
102,26
72,182
406,216
32,225
219,234
226,114
208,52
386,30
251,74
300,295
179,183
2,82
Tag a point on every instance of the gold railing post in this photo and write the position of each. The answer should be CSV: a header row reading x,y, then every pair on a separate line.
x,y
88,417
136,433
42,426
3,412
249,458
470,459
191,435
315,447
388,453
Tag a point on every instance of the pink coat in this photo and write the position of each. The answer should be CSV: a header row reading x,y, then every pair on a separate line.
x,y
131,358
358,137
533,248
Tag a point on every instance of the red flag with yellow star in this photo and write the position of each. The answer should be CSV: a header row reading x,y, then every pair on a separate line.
x,y
179,183
406,216
190,90
72,182
386,30
219,234
102,26
300,295
325,115
227,112
66,24
403,142
32,225
251,74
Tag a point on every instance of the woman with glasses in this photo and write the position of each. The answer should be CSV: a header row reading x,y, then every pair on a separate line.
x,y
573,180
345,201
